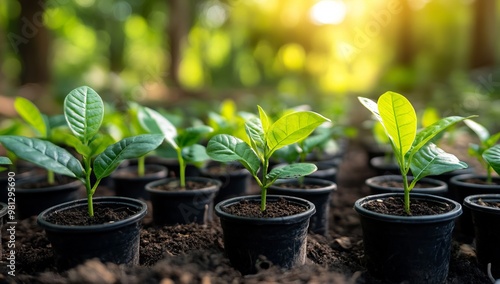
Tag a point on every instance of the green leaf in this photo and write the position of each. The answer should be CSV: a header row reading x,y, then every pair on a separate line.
x,y
399,120
431,160
32,115
380,134
255,133
490,142
195,153
129,148
226,148
480,130
192,135
289,153
99,143
291,171
44,154
292,128
428,133
5,161
156,123
315,141
371,106
492,157
84,112
264,119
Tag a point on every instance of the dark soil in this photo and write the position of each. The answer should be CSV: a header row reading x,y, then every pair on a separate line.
x,y
397,184
394,206
278,208
174,185
489,204
79,216
194,253
301,186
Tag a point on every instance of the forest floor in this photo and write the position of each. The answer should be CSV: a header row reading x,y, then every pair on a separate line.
x,y
195,253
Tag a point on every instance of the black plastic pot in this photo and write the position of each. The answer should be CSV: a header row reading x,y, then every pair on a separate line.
x,y
486,222
116,242
15,177
3,212
133,186
282,241
31,201
460,188
384,165
233,182
320,197
415,249
326,170
182,207
374,183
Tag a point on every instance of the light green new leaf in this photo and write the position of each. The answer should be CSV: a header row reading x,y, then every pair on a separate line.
x,y
5,161
44,154
480,130
292,128
156,123
256,136
226,148
431,160
490,142
399,120
129,148
492,157
264,119
291,171
428,133
32,115
371,106
84,112
317,140
195,153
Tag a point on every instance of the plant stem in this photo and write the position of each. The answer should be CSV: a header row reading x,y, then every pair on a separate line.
x,y
141,167
489,178
182,168
88,171
50,177
263,188
406,194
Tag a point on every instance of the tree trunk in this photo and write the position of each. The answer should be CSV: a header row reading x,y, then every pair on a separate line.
x,y
178,30
483,34
32,42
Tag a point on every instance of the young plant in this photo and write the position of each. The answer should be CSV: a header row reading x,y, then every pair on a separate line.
x,y
486,141
491,157
184,141
413,149
39,122
83,111
265,138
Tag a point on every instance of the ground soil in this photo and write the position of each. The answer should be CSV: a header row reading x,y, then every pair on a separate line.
x,y
195,253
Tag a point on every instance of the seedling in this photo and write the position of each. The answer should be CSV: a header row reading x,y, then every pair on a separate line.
x,y
184,141
413,149
39,122
491,157
83,111
486,141
4,161
265,138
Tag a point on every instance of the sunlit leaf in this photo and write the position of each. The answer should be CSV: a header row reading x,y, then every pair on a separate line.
x,y
154,122
32,115
480,130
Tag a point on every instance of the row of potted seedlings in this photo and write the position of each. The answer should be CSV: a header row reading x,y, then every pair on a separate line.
x,y
254,226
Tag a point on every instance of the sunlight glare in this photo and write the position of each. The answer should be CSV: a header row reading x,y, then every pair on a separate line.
x,y
328,12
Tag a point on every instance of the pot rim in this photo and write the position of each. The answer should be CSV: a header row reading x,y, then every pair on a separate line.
x,y
160,168
75,184
266,221
212,188
452,214
440,186
142,206
328,186
470,202
458,180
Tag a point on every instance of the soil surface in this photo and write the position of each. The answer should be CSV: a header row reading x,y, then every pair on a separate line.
x,y
195,253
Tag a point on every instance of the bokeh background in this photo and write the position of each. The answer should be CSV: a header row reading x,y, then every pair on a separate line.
x,y
187,55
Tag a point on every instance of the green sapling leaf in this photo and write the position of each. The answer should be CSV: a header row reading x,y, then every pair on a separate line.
x,y
291,171
192,135
292,128
132,147
154,122
195,153
431,160
226,148
256,136
32,115
5,161
44,154
492,157
84,112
